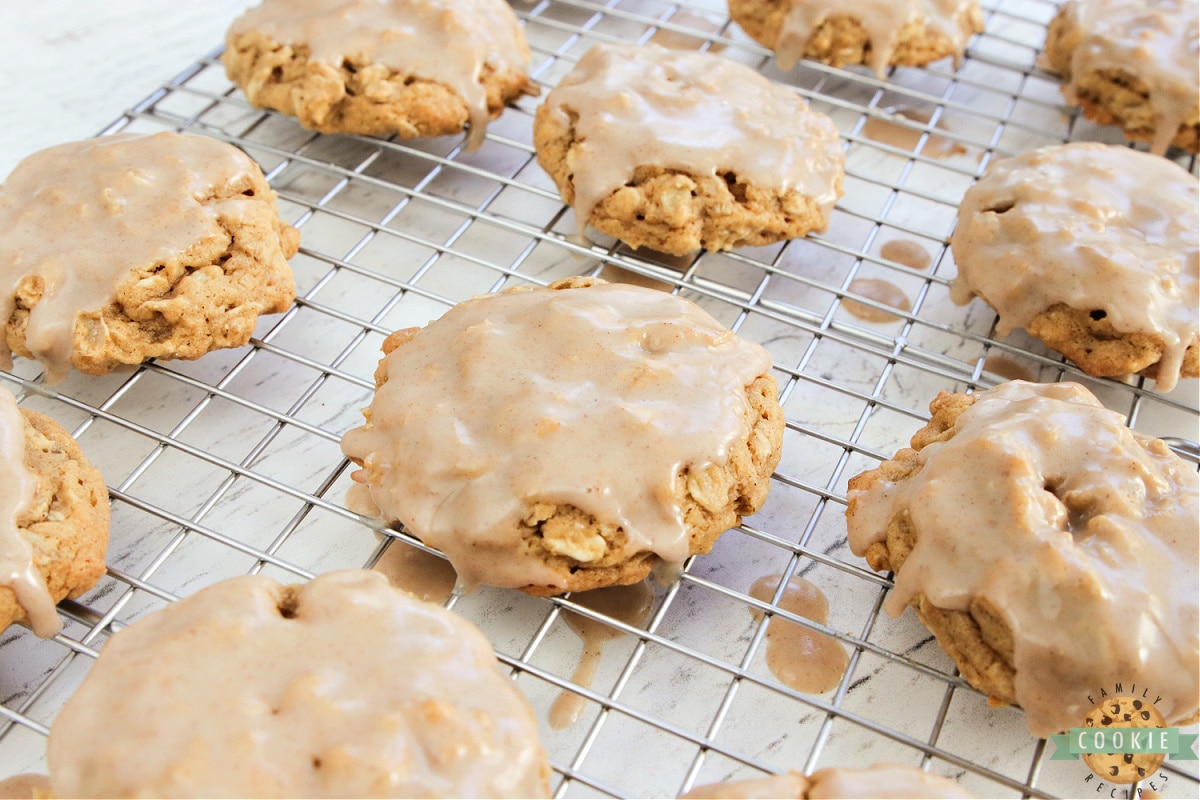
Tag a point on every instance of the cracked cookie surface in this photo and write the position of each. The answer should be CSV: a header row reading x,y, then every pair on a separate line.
x,y
1133,64
340,687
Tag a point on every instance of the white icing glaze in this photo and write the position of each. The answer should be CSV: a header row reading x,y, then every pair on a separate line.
x,y
694,112
349,688
80,216
1079,531
1092,226
1156,40
590,397
446,41
17,487
883,21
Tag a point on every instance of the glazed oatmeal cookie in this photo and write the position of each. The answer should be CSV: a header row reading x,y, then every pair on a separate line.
x,y
568,438
381,67
906,33
53,518
680,151
340,687
130,247
1134,64
1046,545
1093,249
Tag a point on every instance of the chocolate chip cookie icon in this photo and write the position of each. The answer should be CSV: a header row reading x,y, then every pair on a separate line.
x,y
1124,712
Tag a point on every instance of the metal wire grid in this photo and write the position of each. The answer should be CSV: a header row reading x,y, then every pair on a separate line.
x,y
231,464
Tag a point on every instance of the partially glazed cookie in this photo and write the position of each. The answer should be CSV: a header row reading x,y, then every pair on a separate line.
x,y
1093,249
53,518
1132,63
1046,545
381,67
341,687
568,438
680,151
879,780
130,247
877,33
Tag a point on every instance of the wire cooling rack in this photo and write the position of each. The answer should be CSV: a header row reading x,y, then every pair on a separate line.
x,y
231,464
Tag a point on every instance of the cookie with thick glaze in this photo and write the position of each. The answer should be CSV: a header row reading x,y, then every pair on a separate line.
x,y
678,151
568,438
1093,249
1132,64
130,247
906,33
1032,532
411,68
340,687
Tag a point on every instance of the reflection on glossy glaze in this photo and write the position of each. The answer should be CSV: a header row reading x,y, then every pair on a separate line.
x,y
907,252
1008,369
628,604
902,137
880,291
424,575
804,660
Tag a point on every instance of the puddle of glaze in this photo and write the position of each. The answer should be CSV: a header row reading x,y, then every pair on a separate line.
x,y
887,131
615,274
628,604
26,786
666,573
683,41
428,577
1008,369
883,292
801,659
907,252
678,263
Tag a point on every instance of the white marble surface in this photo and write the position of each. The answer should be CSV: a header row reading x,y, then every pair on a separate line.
x,y
69,67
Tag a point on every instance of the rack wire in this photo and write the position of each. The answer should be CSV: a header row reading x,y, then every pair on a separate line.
x,y
230,464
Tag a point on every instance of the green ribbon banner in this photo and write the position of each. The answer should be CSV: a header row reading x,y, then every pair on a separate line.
x,y
1169,741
